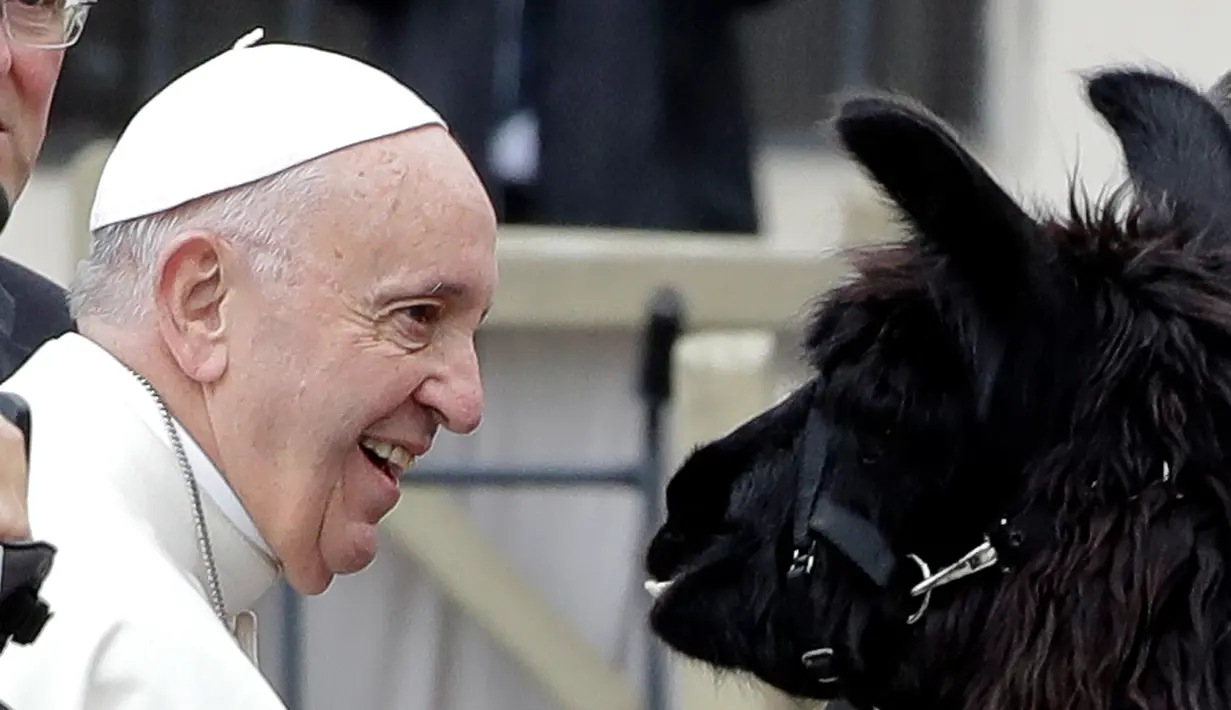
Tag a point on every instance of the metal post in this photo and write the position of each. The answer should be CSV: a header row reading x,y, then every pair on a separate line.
x,y
501,476
663,328
292,640
855,19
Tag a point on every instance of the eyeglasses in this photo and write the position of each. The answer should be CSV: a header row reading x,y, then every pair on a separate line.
x,y
46,24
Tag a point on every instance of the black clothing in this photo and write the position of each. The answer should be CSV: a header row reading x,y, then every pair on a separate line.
x,y
643,117
33,310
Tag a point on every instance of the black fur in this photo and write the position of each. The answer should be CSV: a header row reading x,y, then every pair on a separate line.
x,y
992,361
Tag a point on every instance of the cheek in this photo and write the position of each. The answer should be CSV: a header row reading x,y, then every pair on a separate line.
x,y
35,73
25,92
321,429
379,386
36,70
279,410
347,542
297,372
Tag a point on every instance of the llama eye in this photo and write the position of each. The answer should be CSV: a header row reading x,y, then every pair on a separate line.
x,y
871,451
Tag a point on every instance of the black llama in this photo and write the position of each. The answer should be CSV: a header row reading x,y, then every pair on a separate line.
x,y
1006,486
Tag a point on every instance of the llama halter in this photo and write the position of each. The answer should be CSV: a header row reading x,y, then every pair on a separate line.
x,y
819,517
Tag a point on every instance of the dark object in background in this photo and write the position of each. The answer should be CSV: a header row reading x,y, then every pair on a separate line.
x,y
24,566
641,106
33,309
23,614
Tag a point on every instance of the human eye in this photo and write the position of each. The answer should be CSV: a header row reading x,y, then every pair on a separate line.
x,y
419,320
48,5
34,18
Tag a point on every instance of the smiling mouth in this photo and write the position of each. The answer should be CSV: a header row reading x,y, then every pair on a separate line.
x,y
392,459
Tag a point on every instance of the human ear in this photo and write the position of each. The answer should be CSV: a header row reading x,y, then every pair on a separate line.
x,y
191,288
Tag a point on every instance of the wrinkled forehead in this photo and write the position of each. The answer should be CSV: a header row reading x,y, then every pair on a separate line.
x,y
406,212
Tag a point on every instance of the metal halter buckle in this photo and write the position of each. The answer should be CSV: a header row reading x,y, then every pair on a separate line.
x,y
818,658
977,560
927,595
802,559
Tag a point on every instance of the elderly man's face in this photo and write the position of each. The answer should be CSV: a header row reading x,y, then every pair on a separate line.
x,y
28,78
333,386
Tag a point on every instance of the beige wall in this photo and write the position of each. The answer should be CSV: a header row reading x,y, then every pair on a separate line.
x,y
1043,127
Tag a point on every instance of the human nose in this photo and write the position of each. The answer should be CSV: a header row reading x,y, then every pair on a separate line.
x,y
457,393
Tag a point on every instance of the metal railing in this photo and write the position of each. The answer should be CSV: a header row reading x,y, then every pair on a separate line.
x,y
663,326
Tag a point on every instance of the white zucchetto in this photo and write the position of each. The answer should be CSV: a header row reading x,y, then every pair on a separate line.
x,y
246,114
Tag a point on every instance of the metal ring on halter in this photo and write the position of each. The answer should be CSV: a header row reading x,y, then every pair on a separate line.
x,y
818,658
927,596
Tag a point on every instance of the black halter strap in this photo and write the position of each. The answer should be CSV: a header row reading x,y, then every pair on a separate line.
x,y
818,515
1009,542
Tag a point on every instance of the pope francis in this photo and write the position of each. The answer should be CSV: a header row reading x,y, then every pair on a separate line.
x,y
290,257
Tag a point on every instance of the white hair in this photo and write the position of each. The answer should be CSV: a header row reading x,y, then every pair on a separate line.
x,y
262,220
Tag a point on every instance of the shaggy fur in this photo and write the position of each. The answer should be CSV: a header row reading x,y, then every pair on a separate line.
x,y
991,361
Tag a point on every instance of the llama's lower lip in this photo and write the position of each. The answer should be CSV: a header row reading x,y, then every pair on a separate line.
x,y
657,588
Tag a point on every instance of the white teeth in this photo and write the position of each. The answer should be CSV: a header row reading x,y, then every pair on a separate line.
x,y
397,456
380,448
401,458
656,588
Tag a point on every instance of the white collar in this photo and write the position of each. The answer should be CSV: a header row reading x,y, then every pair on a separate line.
x,y
211,480
100,382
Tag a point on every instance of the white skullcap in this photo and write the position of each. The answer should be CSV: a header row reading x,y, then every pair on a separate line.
x,y
246,114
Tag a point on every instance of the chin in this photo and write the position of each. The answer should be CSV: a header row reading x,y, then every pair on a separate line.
x,y
309,582
356,550
314,571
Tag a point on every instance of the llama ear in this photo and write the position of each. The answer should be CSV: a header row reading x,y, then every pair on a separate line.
x,y
952,201
1176,142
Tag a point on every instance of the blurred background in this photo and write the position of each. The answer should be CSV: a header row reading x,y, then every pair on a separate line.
x,y
630,146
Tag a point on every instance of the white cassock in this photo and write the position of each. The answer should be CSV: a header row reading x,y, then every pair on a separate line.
x,y
133,628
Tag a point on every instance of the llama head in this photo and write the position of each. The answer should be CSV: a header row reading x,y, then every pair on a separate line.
x,y
1038,382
